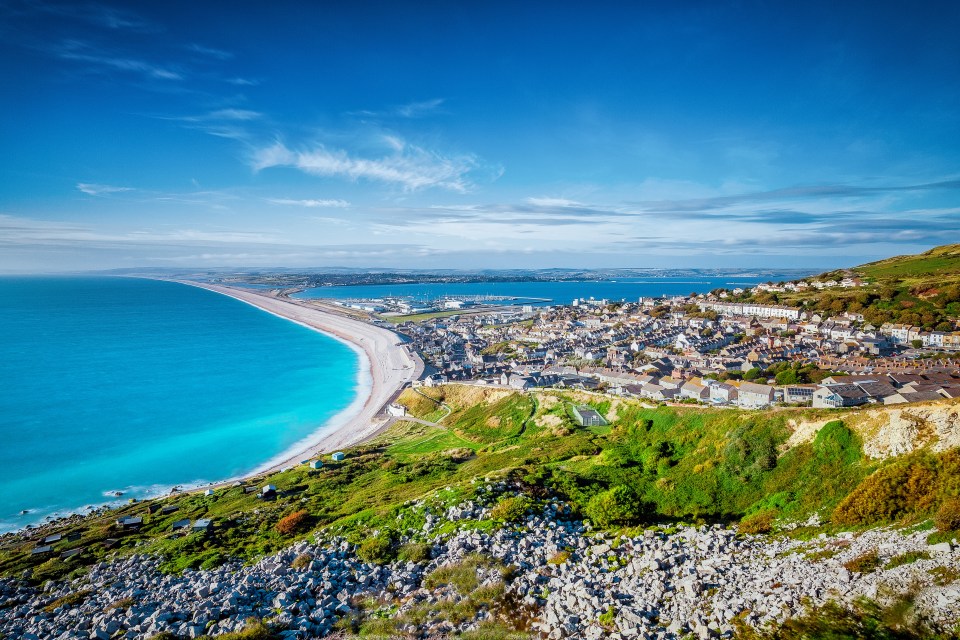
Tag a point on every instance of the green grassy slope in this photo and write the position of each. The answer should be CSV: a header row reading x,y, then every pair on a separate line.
x,y
921,290
649,466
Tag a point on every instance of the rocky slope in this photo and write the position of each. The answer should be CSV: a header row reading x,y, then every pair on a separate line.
x,y
547,574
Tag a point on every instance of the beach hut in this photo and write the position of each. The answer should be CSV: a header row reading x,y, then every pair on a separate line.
x,y
170,508
316,464
66,555
204,524
39,551
208,492
55,538
180,524
268,491
338,456
129,522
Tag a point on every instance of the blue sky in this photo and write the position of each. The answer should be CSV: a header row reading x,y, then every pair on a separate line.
x,y
443,134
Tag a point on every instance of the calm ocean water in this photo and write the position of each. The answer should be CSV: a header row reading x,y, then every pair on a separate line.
x,y
113,384
556,292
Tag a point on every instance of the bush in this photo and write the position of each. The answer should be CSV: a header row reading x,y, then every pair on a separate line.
x,y
376,550
905,488
761,522
862,620
509,509
864,563
293,523
616,506
948,515
302,561
415,552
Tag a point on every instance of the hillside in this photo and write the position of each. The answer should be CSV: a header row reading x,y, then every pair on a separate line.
x,y
497,457
922,290
930,268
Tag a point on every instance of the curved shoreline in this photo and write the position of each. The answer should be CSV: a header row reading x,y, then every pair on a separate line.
x,y
389,367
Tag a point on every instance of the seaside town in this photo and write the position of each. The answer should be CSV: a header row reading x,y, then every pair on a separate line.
x,y
703,348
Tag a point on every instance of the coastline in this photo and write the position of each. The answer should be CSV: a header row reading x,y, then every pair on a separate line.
x,y
386,367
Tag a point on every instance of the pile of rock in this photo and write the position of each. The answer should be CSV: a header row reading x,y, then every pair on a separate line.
x,y
567,580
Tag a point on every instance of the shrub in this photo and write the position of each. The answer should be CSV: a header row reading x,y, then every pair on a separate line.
x,y
293,523
416,552
906,558
559,558
761,522
124,603
608,618
255,630
509,509
901,489
616,506
302,561
68,600
864,563
948,515
376,550
832,621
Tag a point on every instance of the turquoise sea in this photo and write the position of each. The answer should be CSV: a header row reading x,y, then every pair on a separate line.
x,y
116,384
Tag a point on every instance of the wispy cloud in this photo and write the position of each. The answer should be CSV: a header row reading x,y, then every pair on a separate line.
x,y
553,202
101,60
310,203
100,189
229,123
411,167
211,52
418,109
811,192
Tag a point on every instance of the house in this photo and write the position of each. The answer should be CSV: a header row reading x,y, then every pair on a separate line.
x,y
833,396
916,396
798,394
316,464
338,456
588,417
208,492
751,394
695,390
268,491
39,551
722,392
396,410
435,380
170,508
53,539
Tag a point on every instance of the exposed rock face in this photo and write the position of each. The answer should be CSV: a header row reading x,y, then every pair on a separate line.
x,y
896,430
655,585
910,428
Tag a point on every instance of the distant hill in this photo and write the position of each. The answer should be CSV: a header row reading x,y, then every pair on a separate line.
x,y
930,267
922,290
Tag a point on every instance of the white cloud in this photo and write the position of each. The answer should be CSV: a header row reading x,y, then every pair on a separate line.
x,y
213,52
417,109
80,52
410,166
553,202
336,204
100,189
